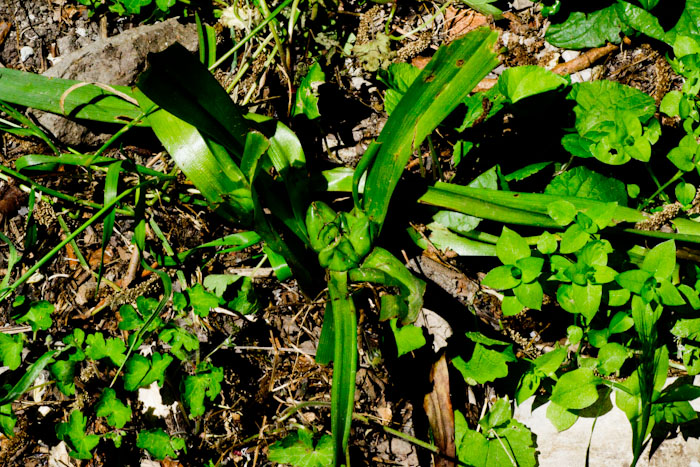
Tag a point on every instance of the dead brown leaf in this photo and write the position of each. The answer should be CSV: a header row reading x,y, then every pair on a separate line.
x,y
438,407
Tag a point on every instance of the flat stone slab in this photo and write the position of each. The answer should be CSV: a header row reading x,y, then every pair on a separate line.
x,y
611,440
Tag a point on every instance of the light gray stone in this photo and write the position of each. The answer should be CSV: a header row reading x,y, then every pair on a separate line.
x,y
117,60
610,441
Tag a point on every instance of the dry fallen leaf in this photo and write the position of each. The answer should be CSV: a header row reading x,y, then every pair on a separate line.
x,y
438,407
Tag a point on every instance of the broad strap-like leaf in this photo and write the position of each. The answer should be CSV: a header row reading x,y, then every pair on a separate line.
x,y
446,80
344,361
88,102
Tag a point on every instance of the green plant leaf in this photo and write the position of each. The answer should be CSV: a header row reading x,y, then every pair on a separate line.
x,y
411,288
507,443
73,433
117,413
612,116
408,338
562,211
398,77
585,299
685,193
549,363
669,294
502,278
141,372
11,350
159,444
585,183
484,365
206,381
38,316
530,295
180,340
133,7
576,389
527,171
88,102
8,420
528,385
307,93
547,243
444,82
344,361
97,348
444,239
640,20
524,81
561,418
530,268
202,301
582,30
218,283
670,104
517,208
634,280
611,357
683,156
511,247
246,301
64,373
298,449
660,261
484,7
620,322
511,306
131,319
573,239
687,24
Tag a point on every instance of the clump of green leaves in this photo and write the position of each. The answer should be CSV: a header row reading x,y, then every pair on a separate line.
x,y
519,273
614,123
501,441
130,7
299,449
581,30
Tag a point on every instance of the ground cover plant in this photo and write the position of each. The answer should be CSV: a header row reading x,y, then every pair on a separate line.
x,y
568,237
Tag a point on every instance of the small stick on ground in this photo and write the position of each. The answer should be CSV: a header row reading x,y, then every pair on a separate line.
x,y
583,61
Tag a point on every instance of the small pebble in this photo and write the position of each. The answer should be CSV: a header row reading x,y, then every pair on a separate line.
x,y
25,52
569,55
82,32
581,76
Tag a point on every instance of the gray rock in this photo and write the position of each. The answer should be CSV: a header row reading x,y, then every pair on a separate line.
x,y
117,60
610,442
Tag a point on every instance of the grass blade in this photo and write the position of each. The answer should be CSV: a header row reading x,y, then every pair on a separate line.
x,y
111,185
11,261
29,377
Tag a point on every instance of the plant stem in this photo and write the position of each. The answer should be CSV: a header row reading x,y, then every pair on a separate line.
x,y
30,272
281,49
250,35
661,188
424,25
246,65
58,194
